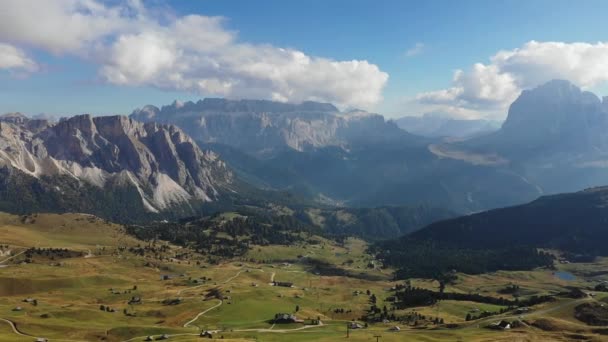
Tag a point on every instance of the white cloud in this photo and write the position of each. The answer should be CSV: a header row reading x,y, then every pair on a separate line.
x,y
63,26
191,53
492,87
13,58
417,49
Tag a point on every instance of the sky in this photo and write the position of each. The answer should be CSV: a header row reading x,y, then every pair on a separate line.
x,y
466,59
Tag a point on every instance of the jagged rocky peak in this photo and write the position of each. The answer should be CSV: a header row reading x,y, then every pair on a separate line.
x,y
161,161
16,118
149,112
263,127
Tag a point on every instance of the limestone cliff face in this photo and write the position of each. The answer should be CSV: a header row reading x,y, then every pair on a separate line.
x,y
161,161
263,127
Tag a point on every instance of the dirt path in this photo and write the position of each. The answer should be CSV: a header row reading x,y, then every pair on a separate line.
x,y
233,277
213,307
14,256
281,330
14,328
534,313
203,312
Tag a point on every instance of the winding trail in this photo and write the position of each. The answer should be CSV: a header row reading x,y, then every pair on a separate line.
x,y
16,330
14,327
14,256
233,277
534,313
281,330
203,312
202,285
213,307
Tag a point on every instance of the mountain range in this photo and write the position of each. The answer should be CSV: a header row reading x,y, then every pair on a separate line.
x,y
265,128
350,158
183,158
438,125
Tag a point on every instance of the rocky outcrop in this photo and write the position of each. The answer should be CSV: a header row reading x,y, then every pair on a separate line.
x,y
161,161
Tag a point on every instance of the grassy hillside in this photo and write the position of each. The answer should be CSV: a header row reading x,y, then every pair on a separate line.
x,y
74,264
506,239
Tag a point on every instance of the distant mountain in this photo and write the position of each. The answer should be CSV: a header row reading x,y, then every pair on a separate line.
x,y
555,137
99,164
434,125
263,128
554,118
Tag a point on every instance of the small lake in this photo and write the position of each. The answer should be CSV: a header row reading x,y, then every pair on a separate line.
x,y
565,275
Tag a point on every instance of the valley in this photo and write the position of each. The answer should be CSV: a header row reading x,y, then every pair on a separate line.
x,y
75,277
432,171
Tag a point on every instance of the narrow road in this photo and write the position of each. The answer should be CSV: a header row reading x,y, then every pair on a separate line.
x,y
281,330
14,256
18,332
233,277
202,313
197,286
211,308
14,327
533,313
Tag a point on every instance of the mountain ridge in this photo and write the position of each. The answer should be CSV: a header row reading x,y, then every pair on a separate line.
x,y
263,128
165,165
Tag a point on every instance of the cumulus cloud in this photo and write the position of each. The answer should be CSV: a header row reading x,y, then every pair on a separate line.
x,y
13,58
417,49
191,53
493,86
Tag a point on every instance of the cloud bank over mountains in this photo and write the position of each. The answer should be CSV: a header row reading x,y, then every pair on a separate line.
x,y
492,87
135,46
134,43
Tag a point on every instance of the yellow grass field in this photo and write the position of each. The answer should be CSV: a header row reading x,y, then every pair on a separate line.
x,y
103,271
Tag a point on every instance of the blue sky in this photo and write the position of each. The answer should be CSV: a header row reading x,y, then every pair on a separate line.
x,y
451,35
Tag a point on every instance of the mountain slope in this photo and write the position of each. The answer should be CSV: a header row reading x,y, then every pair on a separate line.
x,y
157,164
507,238
576,222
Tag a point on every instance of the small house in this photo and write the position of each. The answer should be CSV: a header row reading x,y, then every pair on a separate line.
x,y
355,325
135,300
172,301
502,325
282,318
282,283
